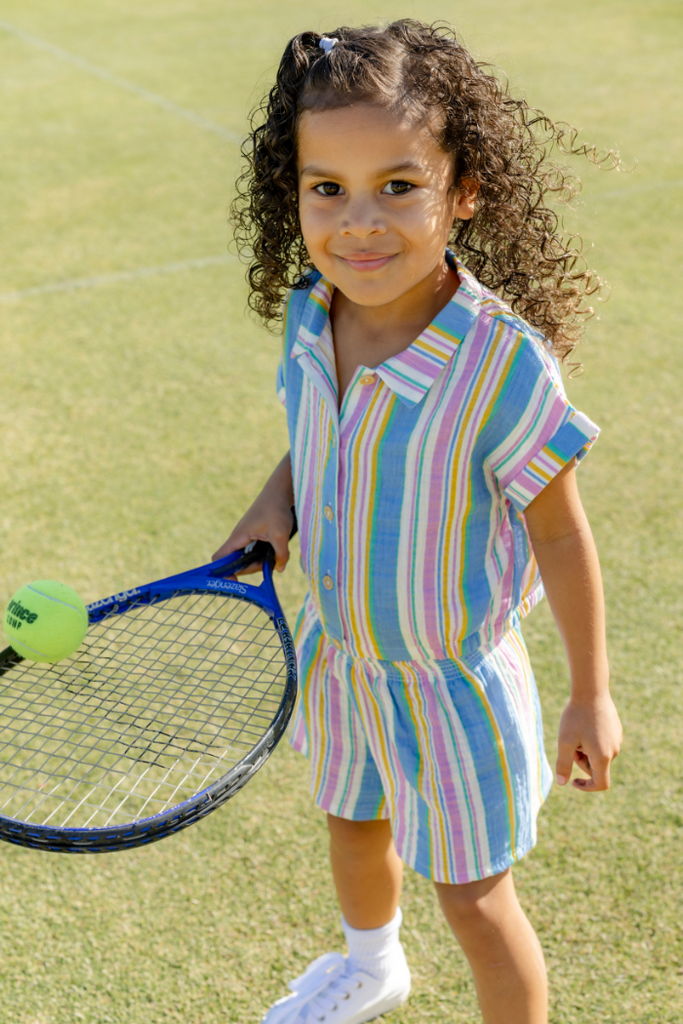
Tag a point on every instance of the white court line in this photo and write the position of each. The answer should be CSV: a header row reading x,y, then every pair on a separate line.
x,y
98,280
123,83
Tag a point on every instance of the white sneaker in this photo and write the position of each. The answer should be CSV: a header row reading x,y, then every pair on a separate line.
x,y
330,992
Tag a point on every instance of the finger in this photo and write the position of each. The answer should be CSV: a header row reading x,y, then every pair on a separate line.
x,y
281,549
227,548
600,777
601,773
280,541
248,570
565,760
280,546
582,761
236,542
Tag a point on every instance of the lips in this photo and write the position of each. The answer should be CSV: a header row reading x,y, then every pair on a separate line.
x,y
367,261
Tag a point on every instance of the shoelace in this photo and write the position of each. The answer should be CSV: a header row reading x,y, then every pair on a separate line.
x,y
317,990
331,996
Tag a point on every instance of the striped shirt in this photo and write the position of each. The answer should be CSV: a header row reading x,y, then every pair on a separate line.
x,y
410,496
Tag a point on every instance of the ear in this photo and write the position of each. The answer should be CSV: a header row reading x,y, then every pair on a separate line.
x,y
465,199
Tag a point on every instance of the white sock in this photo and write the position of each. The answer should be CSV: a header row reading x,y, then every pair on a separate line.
x,y
377,951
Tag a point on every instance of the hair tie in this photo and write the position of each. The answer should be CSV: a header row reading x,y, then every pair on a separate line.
x,y
326,44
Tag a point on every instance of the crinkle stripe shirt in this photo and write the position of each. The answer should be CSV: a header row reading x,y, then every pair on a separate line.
x,y
410,496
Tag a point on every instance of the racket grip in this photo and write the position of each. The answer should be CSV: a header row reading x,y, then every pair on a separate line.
x,y
257,551
262,550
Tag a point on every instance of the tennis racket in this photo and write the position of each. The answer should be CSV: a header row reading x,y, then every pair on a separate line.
x,y
177,696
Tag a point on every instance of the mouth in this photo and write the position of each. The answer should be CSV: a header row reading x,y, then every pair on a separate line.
x,y
367,261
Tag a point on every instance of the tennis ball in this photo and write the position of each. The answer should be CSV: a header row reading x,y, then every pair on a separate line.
x,y
45,621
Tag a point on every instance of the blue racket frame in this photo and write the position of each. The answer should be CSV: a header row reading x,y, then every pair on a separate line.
x,y
205,579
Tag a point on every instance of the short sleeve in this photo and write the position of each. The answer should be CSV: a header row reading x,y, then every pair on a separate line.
x,y
544,431
280,385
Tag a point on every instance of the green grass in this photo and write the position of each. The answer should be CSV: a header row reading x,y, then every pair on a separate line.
x,y
138,419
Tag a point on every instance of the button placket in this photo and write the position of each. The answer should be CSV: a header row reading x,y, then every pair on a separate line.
x,y
329,552
327,555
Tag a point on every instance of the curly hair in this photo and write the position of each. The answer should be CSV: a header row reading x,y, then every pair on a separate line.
x,y
514,243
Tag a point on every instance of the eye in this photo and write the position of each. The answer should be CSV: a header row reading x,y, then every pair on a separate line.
x,y
328,188
397,188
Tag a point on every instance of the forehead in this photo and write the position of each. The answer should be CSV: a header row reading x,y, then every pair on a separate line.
x,y
365,133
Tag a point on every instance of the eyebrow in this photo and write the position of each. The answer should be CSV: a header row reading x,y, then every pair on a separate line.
x,y
318,172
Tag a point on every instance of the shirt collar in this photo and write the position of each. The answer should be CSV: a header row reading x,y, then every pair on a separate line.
x,y
411,373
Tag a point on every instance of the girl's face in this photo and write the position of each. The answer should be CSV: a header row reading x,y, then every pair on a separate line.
x,y
376,201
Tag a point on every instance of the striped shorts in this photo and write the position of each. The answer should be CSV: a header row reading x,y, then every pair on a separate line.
x,y
450,751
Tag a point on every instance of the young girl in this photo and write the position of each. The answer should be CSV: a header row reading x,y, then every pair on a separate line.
x,y
394,189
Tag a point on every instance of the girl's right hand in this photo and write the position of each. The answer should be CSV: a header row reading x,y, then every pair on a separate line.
x,y
270,518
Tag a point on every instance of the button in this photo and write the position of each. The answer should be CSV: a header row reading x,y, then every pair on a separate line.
x,y
367,378
329,514
337,644
328,582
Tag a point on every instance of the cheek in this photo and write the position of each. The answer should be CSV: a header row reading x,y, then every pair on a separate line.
x,y
447,215
434,219
310,222
444,213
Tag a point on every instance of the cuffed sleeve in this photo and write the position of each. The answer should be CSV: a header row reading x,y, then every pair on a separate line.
x,y
546,433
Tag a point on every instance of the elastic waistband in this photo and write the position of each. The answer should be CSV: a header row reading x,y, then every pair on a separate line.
x,y
472,649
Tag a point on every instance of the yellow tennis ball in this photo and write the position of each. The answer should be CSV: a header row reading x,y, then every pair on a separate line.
x,y
46,621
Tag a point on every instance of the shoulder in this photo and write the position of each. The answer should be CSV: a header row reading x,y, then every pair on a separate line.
x,y
294,306
298,295
495,311
497,329
525,350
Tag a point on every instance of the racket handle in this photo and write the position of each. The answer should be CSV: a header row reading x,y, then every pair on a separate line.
x,y
260,551
255,551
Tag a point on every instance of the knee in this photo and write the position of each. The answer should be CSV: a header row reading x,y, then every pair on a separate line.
x,y
475,904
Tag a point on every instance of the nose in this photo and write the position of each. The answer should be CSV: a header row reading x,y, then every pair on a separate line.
x,y
362,218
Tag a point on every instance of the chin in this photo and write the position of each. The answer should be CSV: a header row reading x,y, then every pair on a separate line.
x,y
368,293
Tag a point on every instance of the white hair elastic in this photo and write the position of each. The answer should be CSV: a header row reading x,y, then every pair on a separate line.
x,y
326,44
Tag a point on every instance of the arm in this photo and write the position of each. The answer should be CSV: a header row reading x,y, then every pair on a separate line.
x,y
269,518
590,731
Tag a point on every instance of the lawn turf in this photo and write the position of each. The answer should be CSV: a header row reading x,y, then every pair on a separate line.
x,y
138,419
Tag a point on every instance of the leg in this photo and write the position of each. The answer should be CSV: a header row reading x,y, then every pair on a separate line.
x,y
502,949
367,871
374,979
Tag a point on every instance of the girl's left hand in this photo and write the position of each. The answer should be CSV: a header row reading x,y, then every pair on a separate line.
x,y
590,736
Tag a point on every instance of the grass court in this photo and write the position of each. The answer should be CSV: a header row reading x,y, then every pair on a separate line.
x,y
138,419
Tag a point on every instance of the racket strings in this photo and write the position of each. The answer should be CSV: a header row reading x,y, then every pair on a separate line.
x,y
159,702
129,752
114,706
